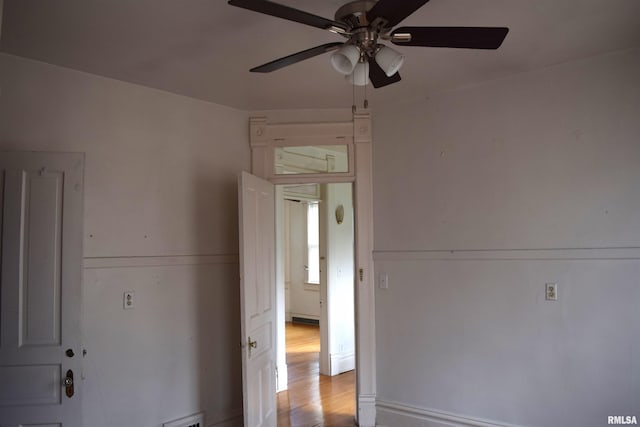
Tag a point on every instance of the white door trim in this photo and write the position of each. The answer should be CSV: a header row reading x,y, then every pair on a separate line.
x,y
264,137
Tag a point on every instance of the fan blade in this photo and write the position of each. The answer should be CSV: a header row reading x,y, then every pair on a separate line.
x,y
459,37
378,77
394,11
289,13
296,57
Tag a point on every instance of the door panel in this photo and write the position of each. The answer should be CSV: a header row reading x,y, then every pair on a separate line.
x,y
40,285
31,385
257,293
40,258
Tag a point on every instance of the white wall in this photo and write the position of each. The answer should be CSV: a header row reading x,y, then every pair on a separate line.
x,y
304,299
161,189
340,277
483,195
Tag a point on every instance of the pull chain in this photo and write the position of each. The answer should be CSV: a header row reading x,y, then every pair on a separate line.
x,y
353,106
366,83
365,103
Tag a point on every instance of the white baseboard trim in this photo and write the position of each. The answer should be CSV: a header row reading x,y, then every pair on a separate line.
x,y
342,362
367,410
394,414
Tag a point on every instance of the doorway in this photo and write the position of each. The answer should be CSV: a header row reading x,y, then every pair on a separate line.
x,y
317,256
265,139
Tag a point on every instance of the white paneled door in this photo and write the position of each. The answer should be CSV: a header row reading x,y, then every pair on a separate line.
x,y
257,300
41,265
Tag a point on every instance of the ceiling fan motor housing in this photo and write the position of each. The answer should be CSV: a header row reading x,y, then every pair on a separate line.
x,y
354,14
363,34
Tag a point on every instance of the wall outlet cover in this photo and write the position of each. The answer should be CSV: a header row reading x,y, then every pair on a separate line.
x,y
128,300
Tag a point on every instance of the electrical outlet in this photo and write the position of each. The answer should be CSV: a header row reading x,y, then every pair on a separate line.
x,y
128,300
551,291
383,281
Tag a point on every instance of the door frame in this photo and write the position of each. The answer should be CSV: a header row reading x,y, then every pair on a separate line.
x,y
264,137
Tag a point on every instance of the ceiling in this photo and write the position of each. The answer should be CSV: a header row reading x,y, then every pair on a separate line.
x,y
204,48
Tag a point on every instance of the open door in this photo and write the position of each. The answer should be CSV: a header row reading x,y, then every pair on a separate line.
x,y
257,300
41,216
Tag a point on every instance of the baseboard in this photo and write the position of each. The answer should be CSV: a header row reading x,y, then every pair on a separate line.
x,y
394,414
367,410
342,362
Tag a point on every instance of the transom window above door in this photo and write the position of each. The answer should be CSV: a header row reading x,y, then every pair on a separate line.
x,y
311,159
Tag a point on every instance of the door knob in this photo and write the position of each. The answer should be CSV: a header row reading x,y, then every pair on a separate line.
x,y
251,344
67,383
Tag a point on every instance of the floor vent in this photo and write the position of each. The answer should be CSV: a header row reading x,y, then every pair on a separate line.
x,y
195,420
305,321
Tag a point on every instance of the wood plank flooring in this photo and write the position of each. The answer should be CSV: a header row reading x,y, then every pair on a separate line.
x,y
313,400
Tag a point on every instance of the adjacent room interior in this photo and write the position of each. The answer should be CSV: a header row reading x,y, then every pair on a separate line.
x,y
316,231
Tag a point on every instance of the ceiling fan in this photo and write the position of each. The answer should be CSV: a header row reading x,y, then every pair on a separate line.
x,y
364,23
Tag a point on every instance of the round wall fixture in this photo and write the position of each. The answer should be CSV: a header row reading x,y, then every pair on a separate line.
x,y
339,214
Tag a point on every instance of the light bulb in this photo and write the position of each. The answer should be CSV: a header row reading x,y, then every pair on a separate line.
x,y
389,60
360,75
345,59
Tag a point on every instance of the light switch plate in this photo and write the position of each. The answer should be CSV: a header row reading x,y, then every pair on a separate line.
x,y
383,281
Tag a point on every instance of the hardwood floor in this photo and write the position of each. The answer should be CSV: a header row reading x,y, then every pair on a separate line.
x,y
313,400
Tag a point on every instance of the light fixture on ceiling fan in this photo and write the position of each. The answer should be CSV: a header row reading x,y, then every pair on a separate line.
x,y
352,61
364,23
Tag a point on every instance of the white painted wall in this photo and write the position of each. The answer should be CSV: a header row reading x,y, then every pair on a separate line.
x,y
304,299
160,180
513,174
340,277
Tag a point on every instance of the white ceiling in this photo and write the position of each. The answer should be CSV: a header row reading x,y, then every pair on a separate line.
x,y
204,48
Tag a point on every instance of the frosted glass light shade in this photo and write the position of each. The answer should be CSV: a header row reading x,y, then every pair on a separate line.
x,y
344,60
360,75
389,60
